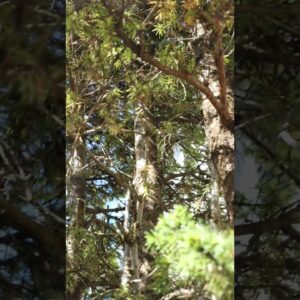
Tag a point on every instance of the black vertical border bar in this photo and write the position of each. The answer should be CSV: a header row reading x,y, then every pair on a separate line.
x,y
267,136
32,149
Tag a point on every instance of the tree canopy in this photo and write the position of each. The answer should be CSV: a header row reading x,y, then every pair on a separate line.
x,y
32,111
267,108
138,145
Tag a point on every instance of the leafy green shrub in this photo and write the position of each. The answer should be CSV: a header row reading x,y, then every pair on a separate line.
x,y
192,255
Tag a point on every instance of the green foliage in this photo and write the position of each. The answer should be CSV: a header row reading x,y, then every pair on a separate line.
x,y
192,252
267,106
105,81
91,265
32,112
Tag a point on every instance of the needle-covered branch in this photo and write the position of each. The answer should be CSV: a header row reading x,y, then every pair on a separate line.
x,y
180,74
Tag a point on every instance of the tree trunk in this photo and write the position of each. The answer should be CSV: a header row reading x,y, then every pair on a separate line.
x,y
220,141
126,261
77,198
146,200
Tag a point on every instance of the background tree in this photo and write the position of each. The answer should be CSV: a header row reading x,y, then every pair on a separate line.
x,y
267,117
32,110
137,140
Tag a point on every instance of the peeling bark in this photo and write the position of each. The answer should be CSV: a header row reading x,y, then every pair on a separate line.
x,y
126,262
145,208
78,183
77,196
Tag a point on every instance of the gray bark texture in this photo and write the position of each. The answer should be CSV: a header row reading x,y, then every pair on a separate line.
x,y
146,200
77,197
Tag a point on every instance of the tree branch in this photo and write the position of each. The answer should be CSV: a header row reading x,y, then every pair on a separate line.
x,y
273,157
269,57
183,75
119,178
99,210
282,10
271,224
53,244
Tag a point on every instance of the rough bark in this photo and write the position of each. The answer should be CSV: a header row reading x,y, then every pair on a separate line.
x,y
219,137
220,143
